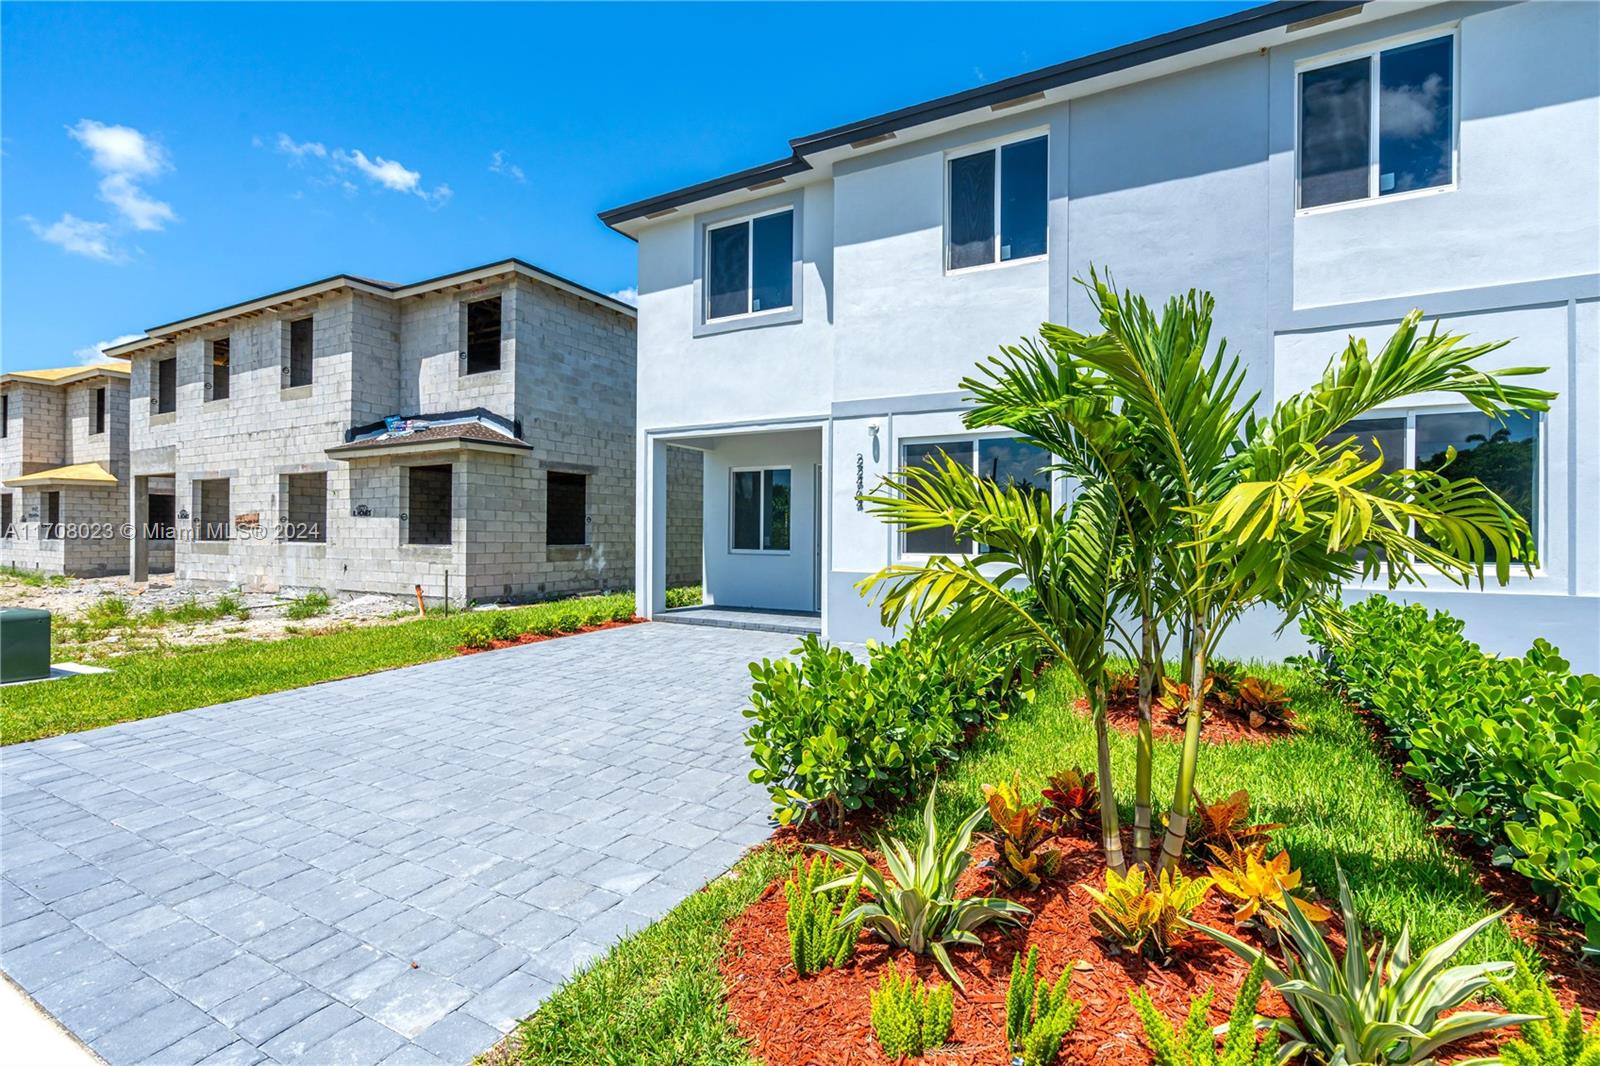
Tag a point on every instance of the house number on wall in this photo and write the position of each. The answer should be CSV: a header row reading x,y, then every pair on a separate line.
x,y
861,480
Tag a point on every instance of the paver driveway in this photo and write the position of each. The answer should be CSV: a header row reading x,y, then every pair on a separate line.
x,y
388,869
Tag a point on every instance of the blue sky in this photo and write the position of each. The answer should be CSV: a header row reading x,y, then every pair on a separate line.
x,y
164,159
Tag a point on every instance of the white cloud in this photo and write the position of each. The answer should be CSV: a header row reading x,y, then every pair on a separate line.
x,y
93,353
499,164
1412,111
388,174
89,239
120,149
289,146
141,211
126,157
630,295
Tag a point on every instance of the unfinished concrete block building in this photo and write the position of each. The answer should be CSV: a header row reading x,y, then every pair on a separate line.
x,y
356,435
63,469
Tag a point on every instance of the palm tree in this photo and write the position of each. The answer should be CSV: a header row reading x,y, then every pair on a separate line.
x,y
1198,510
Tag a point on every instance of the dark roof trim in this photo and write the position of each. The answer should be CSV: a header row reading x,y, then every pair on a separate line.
x,y
1163,46
512,426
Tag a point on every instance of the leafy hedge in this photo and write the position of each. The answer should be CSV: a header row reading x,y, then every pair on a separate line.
x,y
832,734
1508,749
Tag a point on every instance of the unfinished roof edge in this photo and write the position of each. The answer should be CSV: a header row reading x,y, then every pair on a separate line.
x,y
1270,16
68,375
157,335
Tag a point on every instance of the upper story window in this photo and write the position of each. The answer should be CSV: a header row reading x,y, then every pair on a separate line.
x,y
483,335
218,384
5,416
1344,155
166,390
98,425
297,370
998,207
749,266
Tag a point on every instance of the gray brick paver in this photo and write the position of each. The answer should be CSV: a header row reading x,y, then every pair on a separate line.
x,y
252,882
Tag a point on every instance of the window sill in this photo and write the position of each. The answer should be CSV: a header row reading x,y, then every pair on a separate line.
x,y
163,418
755,320
490,372
212,402
760,551
294,392
566,553
1001,265
1369,201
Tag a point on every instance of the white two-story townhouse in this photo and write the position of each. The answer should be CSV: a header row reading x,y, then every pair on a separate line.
x,y
1322,168
470,434
63,469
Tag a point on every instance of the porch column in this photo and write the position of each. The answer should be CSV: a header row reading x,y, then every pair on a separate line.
x,y
138,519
650,533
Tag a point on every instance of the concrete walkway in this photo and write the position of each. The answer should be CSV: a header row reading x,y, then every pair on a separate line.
x,y
389,869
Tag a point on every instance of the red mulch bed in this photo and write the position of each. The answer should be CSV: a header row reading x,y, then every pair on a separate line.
x,y
537,638
1218,726
823,1020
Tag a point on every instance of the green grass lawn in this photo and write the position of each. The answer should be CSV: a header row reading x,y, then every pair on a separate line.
x,y
654,998
162,680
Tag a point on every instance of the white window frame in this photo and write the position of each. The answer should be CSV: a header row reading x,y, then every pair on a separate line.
x,y
749,266
994,145
1540,523
901,554
761,501
1373,53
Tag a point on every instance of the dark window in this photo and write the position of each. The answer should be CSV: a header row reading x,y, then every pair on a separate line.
x,y
761,510
1004,188
1504,457
941,540
99,411
1374,437
7,517
750,266
51,529
221,354
5,416
163,516
566,512
1412,140
483,335
428,514
166,386
305,507
300,337
1003,460
212,518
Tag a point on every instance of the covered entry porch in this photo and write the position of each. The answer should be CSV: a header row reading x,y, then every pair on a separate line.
x,y
761,526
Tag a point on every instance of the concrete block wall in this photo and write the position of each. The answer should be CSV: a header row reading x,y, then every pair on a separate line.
x,y
91,544
81,443
34,439
685,495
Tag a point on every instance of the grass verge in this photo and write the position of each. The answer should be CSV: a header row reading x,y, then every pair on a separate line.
x,y
656,997
159,681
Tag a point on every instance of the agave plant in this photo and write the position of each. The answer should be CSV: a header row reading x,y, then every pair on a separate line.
x,y
916,907
1072,802
1261,885
1373,1005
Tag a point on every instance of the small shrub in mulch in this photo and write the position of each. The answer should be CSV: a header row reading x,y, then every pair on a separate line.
x,y
536,638
825,1019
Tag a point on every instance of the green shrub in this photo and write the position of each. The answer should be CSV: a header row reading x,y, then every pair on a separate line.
x,y
817,938
107,612
1556,1039
310,605
477,633
1038,1015
1508,749
831,734
686,596
503,626
1194,1044
908,1017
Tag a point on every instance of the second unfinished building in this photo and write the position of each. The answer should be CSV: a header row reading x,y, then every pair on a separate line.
x,y
357,435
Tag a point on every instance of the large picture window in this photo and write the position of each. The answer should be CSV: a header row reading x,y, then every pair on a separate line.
x,y
1379,124
1505,457
761,510
749,266
998,204
1001,460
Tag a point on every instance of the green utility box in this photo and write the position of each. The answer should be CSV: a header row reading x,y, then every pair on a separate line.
x,y
24,644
